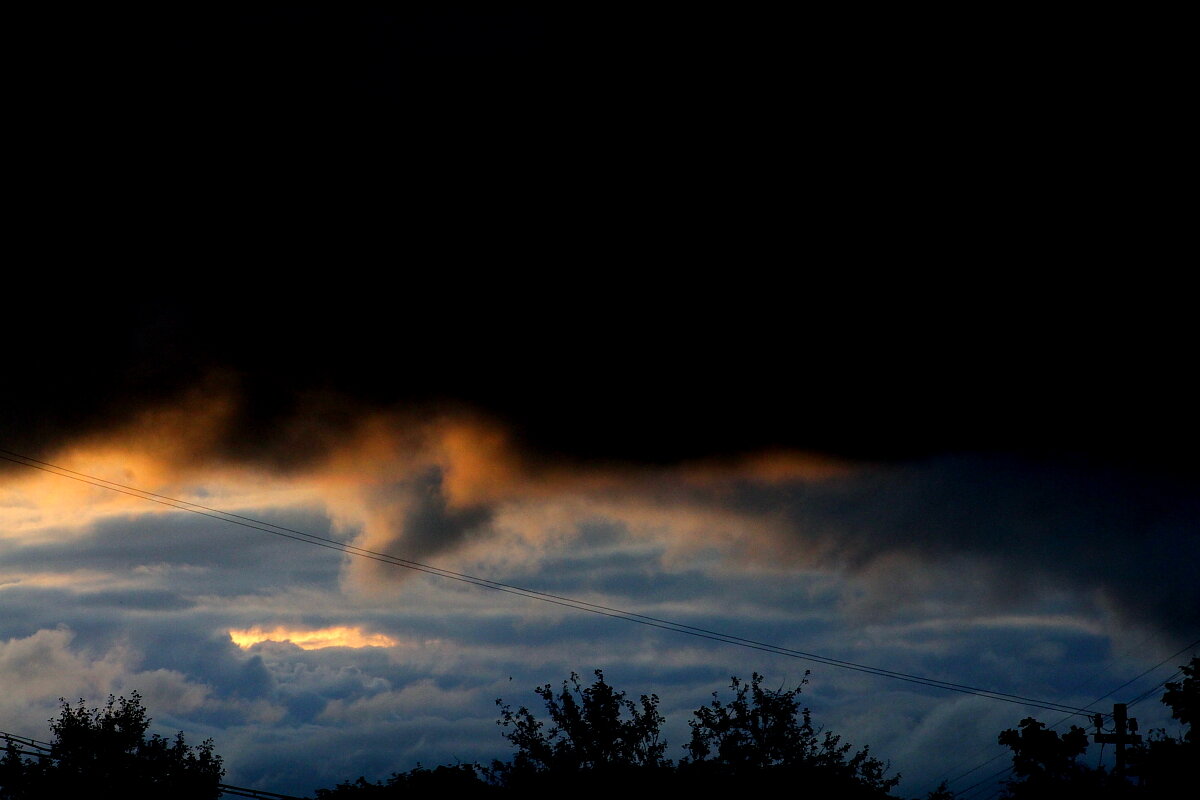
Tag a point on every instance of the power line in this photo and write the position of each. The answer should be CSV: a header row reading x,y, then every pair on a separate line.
x,y
1139,699
1153,689
992,779
560,600
258,794
976,753
1174,655
45,750
41,747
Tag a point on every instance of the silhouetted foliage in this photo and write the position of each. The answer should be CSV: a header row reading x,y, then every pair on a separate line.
x,y
14,774
762,738
594,731
104,753
458,780
942,792
1045,764
1043,754
1165,762
594,739
1184,699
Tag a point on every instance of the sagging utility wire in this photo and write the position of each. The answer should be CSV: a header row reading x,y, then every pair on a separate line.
x,y
560,600
39,749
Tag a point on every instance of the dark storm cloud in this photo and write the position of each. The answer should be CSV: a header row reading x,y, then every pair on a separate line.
x,y
324,197
416,517
429,525
596,140
670,382
1030,527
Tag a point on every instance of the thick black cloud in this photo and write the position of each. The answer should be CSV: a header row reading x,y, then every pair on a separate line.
x,y
639,236
1030,528
644,377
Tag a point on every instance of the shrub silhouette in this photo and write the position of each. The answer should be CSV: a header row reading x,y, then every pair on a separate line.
x,y
103,753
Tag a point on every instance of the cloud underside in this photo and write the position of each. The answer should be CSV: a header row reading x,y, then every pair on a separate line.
x,y
456,487
984,566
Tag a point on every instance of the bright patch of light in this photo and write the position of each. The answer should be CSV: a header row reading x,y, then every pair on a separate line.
x,y
311,639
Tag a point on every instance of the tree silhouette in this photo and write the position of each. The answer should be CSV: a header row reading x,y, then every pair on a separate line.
x,y
762,737
1184,699
942,792
1166,762
103,753
458,780
15,774
593,739
1047,765
593,729
1044,762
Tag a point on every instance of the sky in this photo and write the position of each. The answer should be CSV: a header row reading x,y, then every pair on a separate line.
x,y
786,329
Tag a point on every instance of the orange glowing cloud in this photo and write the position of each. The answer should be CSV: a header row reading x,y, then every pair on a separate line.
x,y
451,486
312,639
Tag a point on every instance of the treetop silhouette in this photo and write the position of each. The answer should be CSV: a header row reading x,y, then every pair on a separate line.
x,y
103,753
591,728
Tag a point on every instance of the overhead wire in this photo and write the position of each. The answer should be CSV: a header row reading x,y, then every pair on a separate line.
x,y
560,600
1139,699
1153,689
976,753
987,784
46,750
42,747
1143,674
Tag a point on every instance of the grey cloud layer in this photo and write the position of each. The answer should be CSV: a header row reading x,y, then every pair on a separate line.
x,y
149,600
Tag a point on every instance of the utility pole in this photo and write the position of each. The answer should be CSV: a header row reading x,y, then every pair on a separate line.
x,y
1126,733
